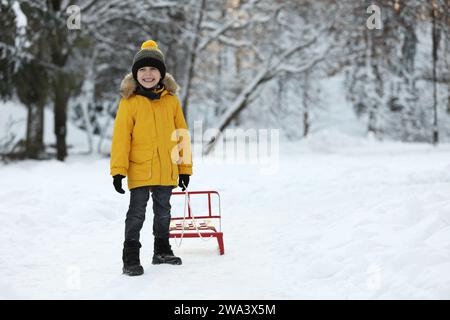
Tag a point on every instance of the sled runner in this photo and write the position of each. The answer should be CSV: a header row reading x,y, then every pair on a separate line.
x,y
198,226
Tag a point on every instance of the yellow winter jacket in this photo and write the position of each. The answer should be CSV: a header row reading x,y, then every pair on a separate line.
x,y
151,142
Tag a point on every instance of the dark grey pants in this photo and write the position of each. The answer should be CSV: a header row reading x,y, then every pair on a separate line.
x,y
136,211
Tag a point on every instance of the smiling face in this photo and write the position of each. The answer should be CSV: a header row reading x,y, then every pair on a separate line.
x,y
148,77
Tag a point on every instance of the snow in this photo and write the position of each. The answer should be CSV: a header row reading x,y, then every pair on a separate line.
x,y
21,18
344,217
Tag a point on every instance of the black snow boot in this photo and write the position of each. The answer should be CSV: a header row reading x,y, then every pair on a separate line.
x,y
131,263
163,253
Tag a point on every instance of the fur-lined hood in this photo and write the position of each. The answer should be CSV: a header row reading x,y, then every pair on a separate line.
x,y
128,85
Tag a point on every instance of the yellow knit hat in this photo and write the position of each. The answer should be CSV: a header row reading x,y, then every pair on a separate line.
x,y
149,55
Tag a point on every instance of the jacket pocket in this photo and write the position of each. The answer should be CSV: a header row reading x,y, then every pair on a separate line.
x,y
140,167
174,157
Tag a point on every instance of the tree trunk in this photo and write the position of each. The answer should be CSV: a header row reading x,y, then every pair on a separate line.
x,y
34,97
305,101
448,98
61,99
372,123
374,87
305,122
35,131
60,48
435,44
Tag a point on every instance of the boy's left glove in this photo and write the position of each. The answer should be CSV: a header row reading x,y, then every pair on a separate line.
x,y
117,182
183,179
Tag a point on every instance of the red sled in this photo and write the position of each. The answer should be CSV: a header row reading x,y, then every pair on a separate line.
x,y
198,226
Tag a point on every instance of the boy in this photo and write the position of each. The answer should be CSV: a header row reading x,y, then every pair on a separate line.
x,y
151,147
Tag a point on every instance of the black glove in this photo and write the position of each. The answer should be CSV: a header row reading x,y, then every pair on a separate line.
x,y
117,182
183,179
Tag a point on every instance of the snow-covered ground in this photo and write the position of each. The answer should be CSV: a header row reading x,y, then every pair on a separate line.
x,y
342,218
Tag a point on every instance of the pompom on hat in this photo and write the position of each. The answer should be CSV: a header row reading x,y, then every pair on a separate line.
x,y
149,56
